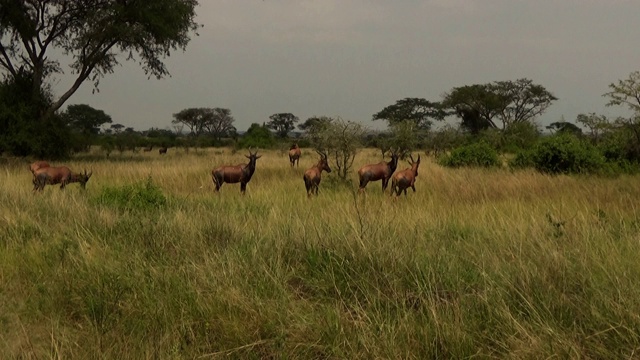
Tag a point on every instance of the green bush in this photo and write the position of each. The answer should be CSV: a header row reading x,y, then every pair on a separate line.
x,y
141,196
478,154
257,136
523,159
566,154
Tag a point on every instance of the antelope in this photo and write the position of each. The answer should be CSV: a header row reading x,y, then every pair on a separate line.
x,y
312,176
38,165
294,154
380,171
58,175
148,148
241,173
162,150
405,178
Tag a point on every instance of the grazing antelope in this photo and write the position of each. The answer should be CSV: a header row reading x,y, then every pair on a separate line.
x,y
38,165
405,178
241,173
148,148
294,154
58,175
312,176
162,150
380,171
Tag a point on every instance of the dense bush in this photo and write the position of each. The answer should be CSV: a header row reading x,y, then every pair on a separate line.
x,y
140,196
522,159
477,154
257,136
565,154
514,138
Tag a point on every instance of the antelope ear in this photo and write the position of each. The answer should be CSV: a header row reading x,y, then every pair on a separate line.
x,y
258,157
248,157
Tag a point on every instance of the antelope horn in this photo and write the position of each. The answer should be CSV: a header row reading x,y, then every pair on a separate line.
x,y
411,157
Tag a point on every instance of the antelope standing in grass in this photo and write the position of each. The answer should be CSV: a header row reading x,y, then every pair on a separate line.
x,y
406,178
380,171
162,150
58,175
235,174
313,175
148,148
294,155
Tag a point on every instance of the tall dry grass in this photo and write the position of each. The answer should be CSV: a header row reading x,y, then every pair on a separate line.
x,y
476,263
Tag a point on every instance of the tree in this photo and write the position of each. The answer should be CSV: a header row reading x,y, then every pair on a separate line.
x,y
597,125
257,136
219,122
85,119
340,139
564,127
91,33
282,123
626,92
117,128
192,118
498,104
417,110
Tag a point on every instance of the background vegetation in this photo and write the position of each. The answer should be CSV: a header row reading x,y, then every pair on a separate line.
x,y
149,262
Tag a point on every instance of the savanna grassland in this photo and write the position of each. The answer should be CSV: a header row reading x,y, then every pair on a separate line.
x,y
476,263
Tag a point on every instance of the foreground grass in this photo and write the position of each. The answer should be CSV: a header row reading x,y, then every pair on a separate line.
x,y
475,264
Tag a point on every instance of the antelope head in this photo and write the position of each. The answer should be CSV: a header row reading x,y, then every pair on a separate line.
x,y
84,178
414,164
324,161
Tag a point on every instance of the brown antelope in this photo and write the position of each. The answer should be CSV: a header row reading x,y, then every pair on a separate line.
x,y
37,165
380,171
312,176
241,173
148,148
294,155
58,175
405,179
162,150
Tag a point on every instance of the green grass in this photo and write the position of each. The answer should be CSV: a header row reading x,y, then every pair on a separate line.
x,y
149,262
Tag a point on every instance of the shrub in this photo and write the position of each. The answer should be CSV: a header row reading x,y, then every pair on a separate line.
x,y
565,154
477,154
140,196
523,159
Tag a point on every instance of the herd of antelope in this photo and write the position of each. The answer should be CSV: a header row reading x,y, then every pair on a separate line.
x,y
44,174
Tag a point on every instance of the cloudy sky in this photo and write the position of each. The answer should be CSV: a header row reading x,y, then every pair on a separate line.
x,y
351,58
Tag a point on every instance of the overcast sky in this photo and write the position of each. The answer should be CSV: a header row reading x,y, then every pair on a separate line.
x,y
351,58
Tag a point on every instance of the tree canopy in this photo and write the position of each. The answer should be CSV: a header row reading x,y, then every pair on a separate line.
x,y
498,104
282,123
215,121
85,119
91,34
626,92
417,110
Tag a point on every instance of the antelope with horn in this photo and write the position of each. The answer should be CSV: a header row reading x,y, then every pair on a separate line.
x,y
162,150
59,175
380,171
313,175
241,173
294,155
406,178
148,148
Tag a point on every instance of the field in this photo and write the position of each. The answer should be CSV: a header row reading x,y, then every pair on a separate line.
x,y
476,263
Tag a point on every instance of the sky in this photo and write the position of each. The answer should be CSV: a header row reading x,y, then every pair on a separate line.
x,y
352,58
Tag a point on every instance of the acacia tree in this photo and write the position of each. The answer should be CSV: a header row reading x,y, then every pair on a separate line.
x,y
219,122
91,33
340,139
85,119
417,110
498,104
282,123
626,92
